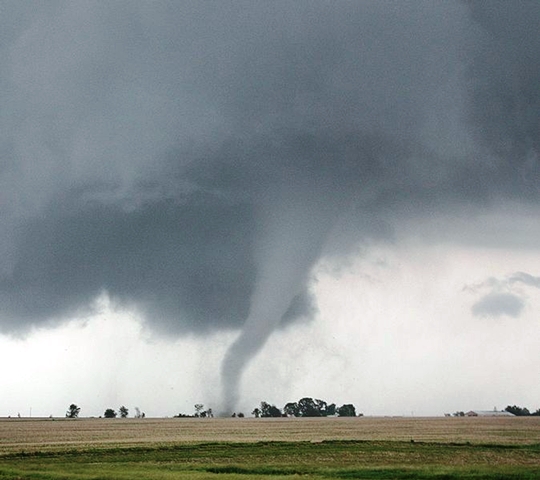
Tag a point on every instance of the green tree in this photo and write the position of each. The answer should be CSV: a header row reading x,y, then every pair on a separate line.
x,y
322,407
347,410
123,411
268,410
292,409
331,409
256,412
109,413
73,411
309,407
518,411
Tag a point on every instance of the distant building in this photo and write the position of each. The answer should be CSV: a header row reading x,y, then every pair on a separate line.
x,y
489,413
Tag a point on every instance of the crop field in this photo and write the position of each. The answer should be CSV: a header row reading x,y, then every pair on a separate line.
x,y
283,448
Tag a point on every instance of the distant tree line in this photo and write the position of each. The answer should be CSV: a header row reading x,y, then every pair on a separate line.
x,y
522,412
514,409
110,413
74,410
305,407
200,412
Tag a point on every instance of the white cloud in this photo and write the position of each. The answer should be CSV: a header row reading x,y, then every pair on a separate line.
x,y
397,336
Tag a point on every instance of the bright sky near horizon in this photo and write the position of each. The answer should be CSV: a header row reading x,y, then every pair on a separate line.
x,y
236,201
417,350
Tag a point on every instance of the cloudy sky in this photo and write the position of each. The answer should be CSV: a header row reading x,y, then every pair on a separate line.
x,y
234,201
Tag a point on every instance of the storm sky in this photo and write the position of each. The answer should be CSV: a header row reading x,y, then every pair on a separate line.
x,y
211,183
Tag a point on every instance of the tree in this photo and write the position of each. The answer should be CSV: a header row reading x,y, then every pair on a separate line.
x,y
292,409
518,411
268,410
73,411
331,409
256,412
198,409
308,407
109,413
347,410
321,407
137,412
123,411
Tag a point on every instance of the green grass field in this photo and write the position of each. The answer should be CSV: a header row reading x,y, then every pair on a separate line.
x,y
229,449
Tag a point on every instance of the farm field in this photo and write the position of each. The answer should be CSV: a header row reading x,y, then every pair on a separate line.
x,y
234,448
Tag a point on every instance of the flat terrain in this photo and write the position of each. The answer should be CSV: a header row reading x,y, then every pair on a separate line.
x,y
45,434
235,448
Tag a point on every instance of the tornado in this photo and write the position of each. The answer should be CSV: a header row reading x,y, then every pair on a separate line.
x,y
287,247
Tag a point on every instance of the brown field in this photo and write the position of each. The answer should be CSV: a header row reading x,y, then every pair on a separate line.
x,y
46,434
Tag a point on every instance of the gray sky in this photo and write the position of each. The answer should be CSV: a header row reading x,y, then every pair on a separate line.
x,y
200,175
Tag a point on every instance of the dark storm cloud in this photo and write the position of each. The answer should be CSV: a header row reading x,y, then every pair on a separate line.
x,y
505,105
167,152
189,261
137,141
